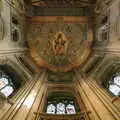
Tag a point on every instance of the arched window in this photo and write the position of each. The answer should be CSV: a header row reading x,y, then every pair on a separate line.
x,y
61,105
114,85
60,108
6,85
70,109
51,109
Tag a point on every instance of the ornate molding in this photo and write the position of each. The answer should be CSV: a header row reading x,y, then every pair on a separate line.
x,y
3,61
18,5
78,116
2,28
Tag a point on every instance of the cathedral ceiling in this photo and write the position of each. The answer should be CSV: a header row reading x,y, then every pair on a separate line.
x,y
60,43
60,77
63,3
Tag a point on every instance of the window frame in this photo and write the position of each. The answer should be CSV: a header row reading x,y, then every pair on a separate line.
x,y
111,82
65,101
10,83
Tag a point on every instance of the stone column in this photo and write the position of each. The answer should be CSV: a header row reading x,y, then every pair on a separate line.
x,y
26,101
96,99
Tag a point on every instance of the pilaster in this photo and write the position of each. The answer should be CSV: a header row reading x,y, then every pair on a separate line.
x,y
96,100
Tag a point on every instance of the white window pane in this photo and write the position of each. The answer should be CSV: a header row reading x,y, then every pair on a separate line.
x,y
70,109
8,90
114,89
60,108
51,109
117,80
3,82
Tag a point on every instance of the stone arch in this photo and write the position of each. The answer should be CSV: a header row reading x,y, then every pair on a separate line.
x,y
14,71
107,76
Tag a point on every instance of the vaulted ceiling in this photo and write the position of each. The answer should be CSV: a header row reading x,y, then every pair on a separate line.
x,y
60,43
59,39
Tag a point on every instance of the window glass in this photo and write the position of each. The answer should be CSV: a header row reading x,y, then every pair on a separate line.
x,y
70,109
114,85
61,105
60,108
117,80
114,89
7,91
3,82
6,85
51,109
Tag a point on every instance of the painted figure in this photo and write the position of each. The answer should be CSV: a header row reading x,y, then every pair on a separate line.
x,y
60,44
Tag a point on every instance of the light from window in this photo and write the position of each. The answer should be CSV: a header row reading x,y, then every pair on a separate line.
x,y
70,109
7,91
61,105
6,86
114,89
117,80
3,82
51,109
60,108
114,86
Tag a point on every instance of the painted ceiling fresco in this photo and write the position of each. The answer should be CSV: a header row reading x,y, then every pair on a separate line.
x,y
59,44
